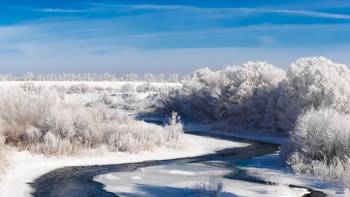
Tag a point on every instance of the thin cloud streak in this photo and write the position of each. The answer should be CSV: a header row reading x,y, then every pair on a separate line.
x,y
214,10
60,10
310,13
225,12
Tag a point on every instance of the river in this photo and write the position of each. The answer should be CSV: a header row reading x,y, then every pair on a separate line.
x,y
78,181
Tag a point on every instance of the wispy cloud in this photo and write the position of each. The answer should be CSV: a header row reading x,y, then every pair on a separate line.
x,y
55,10
267,40
221,11
310,13
210,12
59,10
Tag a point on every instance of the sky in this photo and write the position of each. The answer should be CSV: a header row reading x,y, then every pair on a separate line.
x,y
159,36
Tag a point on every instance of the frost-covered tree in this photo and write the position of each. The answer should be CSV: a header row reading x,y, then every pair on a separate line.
x,y
107,77
131,77
312,82
236,93
29,76
320,145
251,92
161,78
173,78
149,77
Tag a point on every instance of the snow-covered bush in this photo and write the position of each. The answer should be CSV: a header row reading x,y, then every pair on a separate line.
x,y
147,87
126,102
238,94
283,190
212,188
98,89
320,145
45,124
128,88
79,89
18,111
31,87
174,127
312,83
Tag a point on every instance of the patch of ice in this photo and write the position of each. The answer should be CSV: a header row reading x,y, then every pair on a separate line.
x,y
136,178
182,172
112,177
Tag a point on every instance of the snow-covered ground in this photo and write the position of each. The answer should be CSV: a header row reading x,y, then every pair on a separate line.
x,y
25,167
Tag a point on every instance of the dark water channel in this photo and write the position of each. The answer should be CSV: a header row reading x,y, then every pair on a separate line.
x,y
78,181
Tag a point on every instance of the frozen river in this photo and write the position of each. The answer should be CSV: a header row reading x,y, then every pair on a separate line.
x,y
158,178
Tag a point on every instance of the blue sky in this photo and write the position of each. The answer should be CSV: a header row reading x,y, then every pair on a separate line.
x,y
167,36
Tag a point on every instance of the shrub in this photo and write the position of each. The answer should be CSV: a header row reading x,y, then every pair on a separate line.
x,y
45,124
282,190
127,88
320,145
79,89
174,127
212,188
147,87
31,87
236,94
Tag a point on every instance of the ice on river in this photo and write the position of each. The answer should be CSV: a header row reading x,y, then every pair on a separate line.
x,y
180,179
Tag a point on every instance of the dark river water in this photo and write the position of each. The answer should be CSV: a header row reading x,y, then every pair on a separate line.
x,y
78,181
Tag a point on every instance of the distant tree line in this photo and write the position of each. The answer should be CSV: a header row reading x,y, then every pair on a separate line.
x,y
148,77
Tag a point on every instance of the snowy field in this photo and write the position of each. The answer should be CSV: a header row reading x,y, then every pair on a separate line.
x,y
103,84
